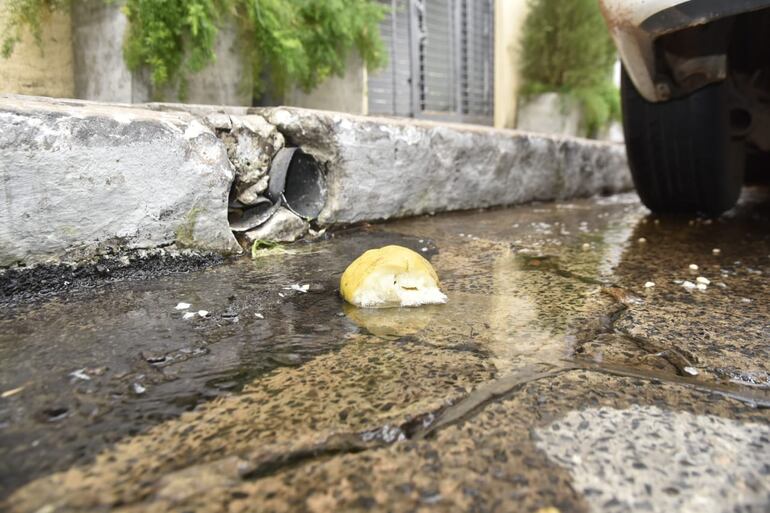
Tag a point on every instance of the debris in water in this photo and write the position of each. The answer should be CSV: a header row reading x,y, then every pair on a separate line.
x,y
693,267
704,281
299,288
622,296
139,389
702,286
11,392
259,315
80,374
692,371
182,306
390,277
688,285
188,315
203,313
649,284
716,251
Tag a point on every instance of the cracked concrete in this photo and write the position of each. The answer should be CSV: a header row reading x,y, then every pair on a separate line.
x,y
86,179
552,380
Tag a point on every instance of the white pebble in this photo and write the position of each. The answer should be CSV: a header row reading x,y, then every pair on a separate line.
x,y
649,284
688,285
716,251
182,306
203,313
259,316
692,371
586,246
704,281
693,267
641,240
139,389
80,374
702,286
188,315
424,250
300,288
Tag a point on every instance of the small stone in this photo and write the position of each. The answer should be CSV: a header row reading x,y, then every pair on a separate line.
x,y
251,146
649,284
300,288
219,120
284,226
252,194
716,251
693,267
702,286
688,285
586,246
188,315
203,313
641,240
182,306
704,281
139,389
692,371
80,374
424,250
259,316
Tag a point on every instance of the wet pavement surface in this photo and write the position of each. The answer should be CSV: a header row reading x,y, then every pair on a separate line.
x,y
557,377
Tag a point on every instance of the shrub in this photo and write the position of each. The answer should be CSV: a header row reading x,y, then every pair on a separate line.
x,y
288,42
566,48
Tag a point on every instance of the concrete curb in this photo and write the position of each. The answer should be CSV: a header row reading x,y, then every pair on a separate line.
x,y
84,179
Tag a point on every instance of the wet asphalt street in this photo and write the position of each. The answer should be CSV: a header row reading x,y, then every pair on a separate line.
x,y
591,357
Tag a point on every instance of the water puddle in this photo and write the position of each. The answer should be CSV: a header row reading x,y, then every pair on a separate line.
x,y
527,289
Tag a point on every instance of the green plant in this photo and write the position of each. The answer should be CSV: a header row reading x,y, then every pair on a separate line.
x,y
566,48
288,42
21,14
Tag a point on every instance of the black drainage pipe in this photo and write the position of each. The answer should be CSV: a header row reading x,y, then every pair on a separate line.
x,y
297,180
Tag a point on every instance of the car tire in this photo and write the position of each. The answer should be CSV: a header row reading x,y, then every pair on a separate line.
x,y
682,156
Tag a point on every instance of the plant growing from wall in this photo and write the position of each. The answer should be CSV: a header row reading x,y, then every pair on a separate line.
x,y
566,48
288,42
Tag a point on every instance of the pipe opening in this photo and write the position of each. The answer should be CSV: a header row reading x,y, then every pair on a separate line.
x,y
298,181
740,121
278,208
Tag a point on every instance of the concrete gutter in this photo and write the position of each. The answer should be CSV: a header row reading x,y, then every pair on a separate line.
x,y
82,179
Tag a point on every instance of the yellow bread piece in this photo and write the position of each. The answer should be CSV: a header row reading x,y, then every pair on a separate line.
x,y
392,276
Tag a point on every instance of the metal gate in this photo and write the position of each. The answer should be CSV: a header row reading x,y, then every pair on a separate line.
x,y
441,61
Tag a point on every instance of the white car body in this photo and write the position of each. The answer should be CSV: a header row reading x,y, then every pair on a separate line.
x,y
636,24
